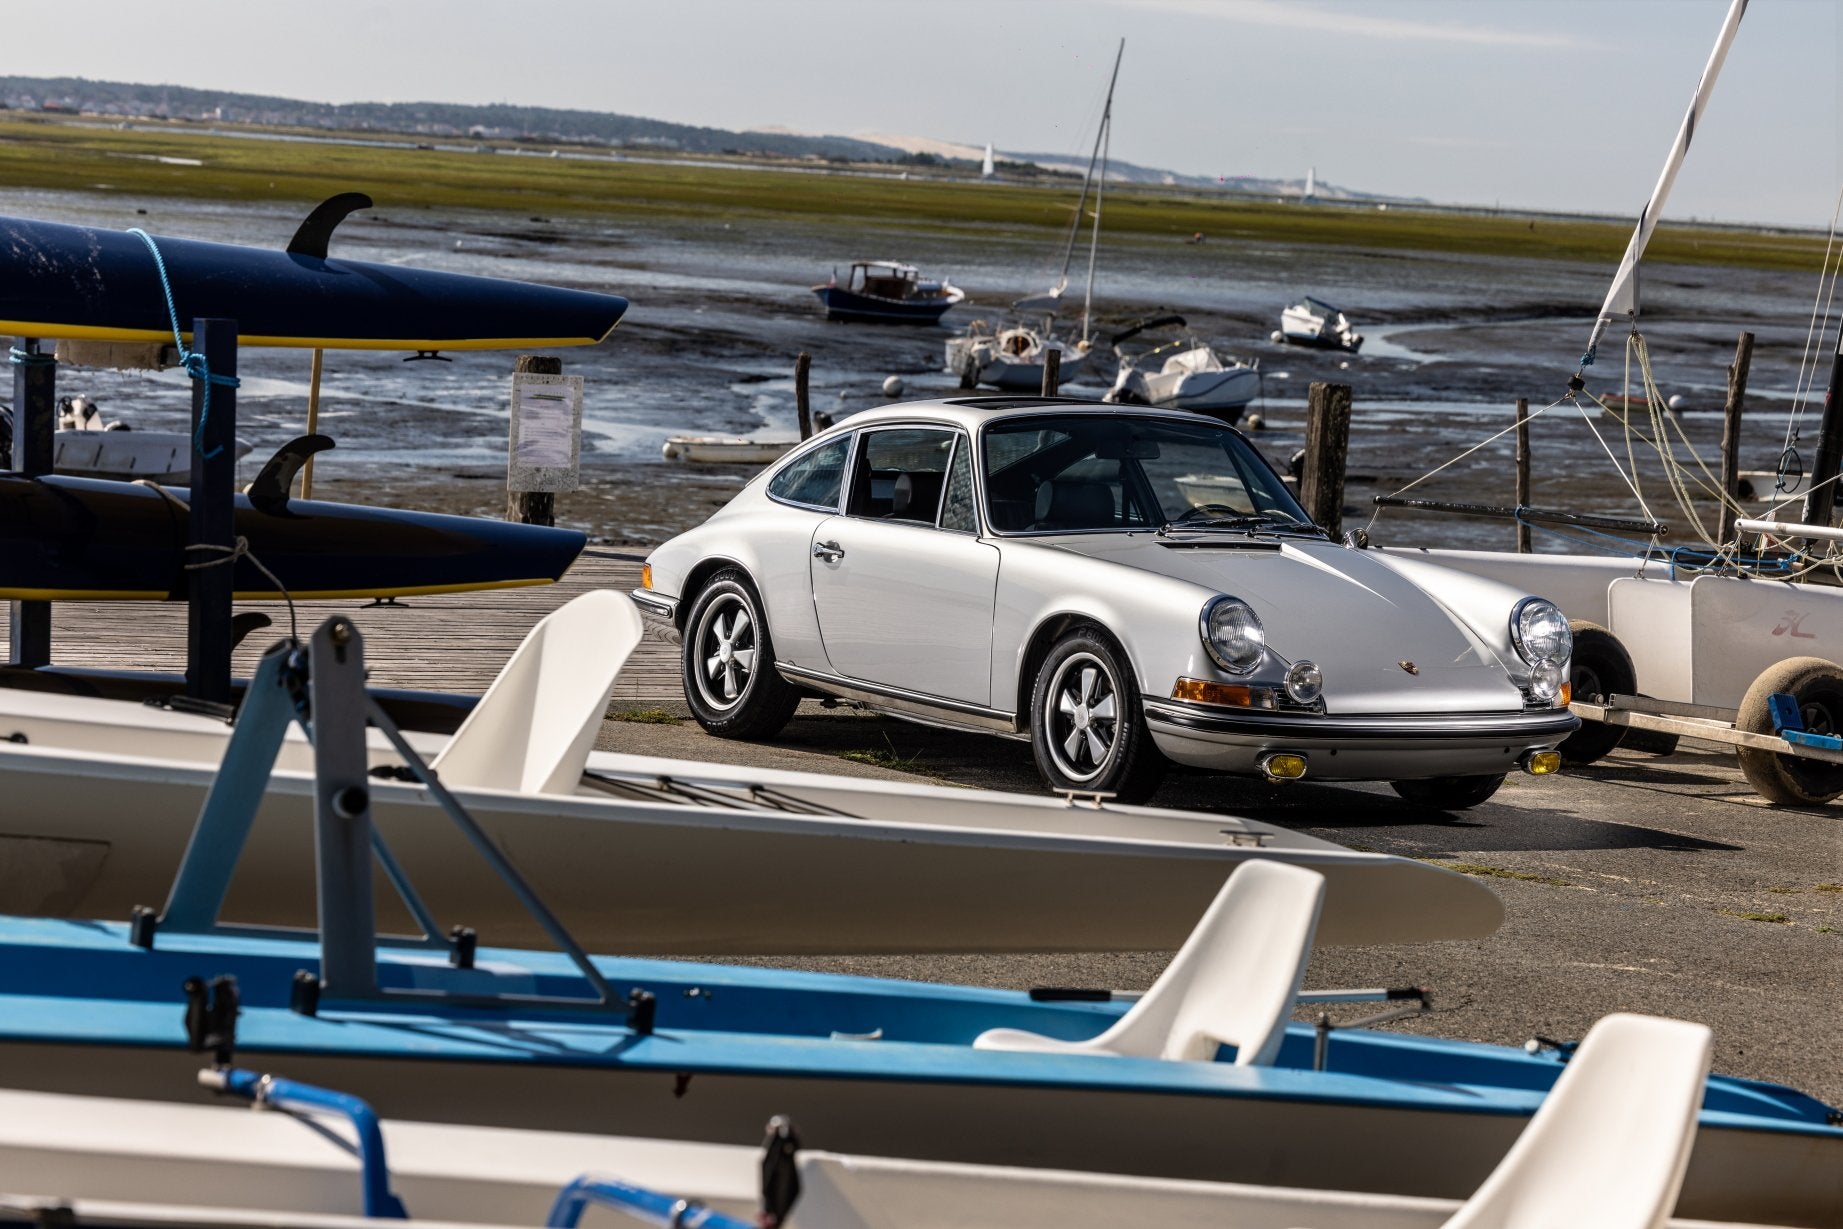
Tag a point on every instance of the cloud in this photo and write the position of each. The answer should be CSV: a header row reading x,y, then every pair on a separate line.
x,y
1360,21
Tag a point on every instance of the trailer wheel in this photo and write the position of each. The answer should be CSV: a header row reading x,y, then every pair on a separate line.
x,y
1600,666
1789,780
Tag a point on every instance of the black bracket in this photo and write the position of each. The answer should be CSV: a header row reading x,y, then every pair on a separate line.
x,y
211,1017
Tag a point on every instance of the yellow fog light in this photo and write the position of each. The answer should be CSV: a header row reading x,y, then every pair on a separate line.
x,y
1284,766
646,576
1542,763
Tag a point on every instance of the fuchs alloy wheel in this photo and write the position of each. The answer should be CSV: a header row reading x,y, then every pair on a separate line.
x,y
1598,666
1087,728
1816,686
730,681
1449,793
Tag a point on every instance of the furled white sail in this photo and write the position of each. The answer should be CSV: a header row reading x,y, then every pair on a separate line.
x,y
1622,298
989,169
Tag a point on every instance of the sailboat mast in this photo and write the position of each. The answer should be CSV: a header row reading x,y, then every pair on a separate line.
x,y
1100,190
1068,250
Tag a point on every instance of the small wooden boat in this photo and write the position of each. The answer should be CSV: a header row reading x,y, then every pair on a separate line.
x,y
1313,322
83,539
887,292
81,282
85,446
724,450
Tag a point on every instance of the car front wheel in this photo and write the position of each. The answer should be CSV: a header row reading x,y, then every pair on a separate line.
x,y
1087,728
731,685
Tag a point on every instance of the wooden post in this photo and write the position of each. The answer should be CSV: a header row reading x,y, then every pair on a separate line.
x,y
1052,372
1327,440
1731,431
534,507
313,420
803,402
212,519
1523,543
35,420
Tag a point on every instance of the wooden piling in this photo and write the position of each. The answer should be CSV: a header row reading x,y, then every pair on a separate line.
x,y
1052,372
803,402
1327,442
534,507
35,419
313,419
1524,545
1731,431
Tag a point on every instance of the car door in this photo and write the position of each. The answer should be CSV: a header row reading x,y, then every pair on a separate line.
x,y
808,491
903,586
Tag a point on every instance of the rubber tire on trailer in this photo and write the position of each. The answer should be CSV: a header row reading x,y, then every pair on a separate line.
x,y
1600,666
764,700
1131,766
1449,793
1787,780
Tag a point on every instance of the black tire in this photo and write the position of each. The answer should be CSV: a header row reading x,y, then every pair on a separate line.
x,y
1786,780
1449,793
1087,726
1651,742
1599,666
727,663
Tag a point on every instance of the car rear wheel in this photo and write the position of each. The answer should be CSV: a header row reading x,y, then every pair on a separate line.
x,y
1087,727
1449,793
727,664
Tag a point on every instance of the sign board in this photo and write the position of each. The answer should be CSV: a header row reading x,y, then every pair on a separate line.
x,y
546,441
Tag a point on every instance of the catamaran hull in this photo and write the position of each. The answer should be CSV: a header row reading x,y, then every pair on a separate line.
x,y
1735,1174
903,869
84,539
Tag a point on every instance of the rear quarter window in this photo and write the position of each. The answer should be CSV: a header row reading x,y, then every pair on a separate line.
x,y
816,479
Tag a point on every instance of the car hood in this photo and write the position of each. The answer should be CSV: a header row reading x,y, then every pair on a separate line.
x,y
1383,644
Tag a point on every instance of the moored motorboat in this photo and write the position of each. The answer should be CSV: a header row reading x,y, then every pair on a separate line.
x,y
1184,374
1313,322
1011,357
889,292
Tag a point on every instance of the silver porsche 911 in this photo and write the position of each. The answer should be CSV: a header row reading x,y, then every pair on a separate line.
x,y
1125,587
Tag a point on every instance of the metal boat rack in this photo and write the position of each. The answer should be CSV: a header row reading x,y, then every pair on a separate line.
x,y
321,685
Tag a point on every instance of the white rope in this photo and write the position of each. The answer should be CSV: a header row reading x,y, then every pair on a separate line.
x,y
1484,443
1814,334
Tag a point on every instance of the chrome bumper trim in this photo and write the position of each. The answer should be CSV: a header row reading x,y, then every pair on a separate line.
x,y
1541,726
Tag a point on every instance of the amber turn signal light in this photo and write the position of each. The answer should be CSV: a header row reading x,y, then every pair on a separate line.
x,y
1567,696
646,582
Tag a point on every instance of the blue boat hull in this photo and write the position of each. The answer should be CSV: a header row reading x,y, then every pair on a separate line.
x,y
842,304
80,282
864,1065
82,538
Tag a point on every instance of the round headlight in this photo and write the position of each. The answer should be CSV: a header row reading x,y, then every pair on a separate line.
x,y
1539,630
1545,681
1304,683
1232,634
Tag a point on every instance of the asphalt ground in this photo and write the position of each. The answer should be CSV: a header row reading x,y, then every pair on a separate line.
x,y
1642,883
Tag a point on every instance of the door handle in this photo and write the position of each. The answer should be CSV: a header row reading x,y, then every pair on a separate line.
x,y
830,552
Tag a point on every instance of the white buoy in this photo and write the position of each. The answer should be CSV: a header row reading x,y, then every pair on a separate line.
x,y
1675,402
1344,366
842,394
892,387
1256,422
1277,335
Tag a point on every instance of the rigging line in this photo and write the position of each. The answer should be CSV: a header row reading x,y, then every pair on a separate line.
x,y
1807,369
1588,419
1674,470
1531,417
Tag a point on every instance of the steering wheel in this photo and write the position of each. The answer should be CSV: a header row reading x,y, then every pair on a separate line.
x,y
1198,512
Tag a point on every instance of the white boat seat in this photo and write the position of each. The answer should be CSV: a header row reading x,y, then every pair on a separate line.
x,y
1608,1146
534,728
1232,983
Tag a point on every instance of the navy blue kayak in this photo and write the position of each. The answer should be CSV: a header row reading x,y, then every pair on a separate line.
x,y
82,538
80,282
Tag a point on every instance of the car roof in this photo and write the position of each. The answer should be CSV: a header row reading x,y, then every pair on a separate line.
x,y
973,412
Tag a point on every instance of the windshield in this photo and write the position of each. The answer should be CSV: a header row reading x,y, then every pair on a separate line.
x,y
1086,472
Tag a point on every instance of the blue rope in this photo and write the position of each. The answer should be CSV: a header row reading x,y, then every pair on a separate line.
x,y
193,361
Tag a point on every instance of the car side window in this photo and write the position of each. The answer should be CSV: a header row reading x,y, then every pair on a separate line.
x,y
901,472
816,479
957,512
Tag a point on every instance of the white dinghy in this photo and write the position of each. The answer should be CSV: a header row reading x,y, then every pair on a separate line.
x,y
648,855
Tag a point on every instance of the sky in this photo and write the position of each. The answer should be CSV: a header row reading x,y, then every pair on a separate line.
x,y
1543,104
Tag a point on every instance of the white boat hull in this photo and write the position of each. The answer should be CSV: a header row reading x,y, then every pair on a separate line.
x,y
716,450
904,868
161,456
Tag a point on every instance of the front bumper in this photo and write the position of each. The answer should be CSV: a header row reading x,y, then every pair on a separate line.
x,y
660,612
1381,747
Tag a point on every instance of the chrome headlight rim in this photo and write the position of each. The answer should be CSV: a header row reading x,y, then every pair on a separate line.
x,y
1304,683
1521,614
1217,654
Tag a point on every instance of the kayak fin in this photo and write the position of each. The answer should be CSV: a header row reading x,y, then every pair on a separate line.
x,y
268,494
318,226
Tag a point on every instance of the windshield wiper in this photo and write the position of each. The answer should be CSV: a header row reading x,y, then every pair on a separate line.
x,y
1249,522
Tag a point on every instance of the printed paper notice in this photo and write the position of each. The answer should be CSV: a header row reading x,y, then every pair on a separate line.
x,y
546,432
